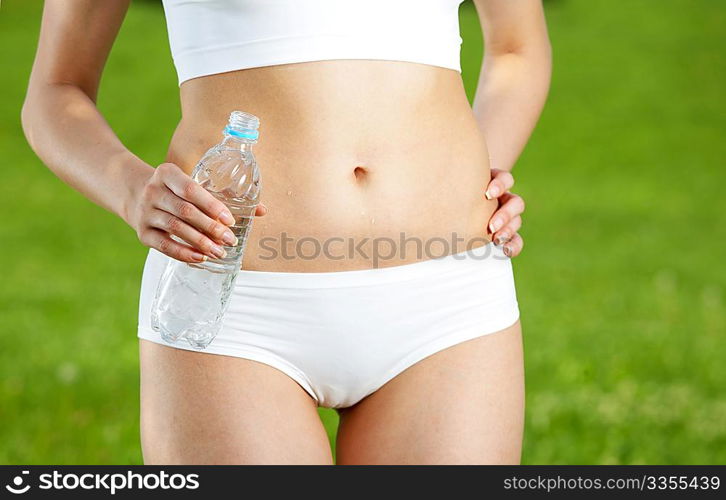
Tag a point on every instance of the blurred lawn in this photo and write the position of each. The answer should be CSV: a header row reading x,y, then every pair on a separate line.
x,y
621,284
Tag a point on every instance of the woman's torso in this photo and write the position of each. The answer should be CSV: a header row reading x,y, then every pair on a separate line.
x,y
364,163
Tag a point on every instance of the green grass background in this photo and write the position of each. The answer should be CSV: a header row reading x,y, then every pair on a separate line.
x,y
621,284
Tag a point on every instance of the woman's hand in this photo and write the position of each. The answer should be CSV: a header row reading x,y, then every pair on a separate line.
x,y
507,219
169,202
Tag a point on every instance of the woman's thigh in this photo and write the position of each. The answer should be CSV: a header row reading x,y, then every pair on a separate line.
x,y
462,405
199,408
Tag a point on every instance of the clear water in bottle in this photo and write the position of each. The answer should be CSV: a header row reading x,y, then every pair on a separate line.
x,y
191,298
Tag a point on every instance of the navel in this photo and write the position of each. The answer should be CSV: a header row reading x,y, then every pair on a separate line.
x,y
360,173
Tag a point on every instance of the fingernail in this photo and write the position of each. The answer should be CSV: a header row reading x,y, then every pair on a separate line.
x,y
495,225
507,251
229,238
218,251
198,256
492,193
226,217
501,239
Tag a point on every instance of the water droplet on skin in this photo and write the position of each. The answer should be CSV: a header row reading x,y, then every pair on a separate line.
x,y
373,220
289,193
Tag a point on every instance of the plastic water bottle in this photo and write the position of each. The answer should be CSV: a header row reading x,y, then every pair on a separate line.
x,y
191,298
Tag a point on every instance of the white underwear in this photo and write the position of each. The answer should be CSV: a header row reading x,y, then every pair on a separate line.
x,y
342,335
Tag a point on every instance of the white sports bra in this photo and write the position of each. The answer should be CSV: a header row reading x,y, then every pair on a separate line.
x,y
216,36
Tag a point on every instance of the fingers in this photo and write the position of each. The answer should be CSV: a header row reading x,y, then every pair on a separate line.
x,y
181,219
184,187
514,246
160,240
174,225
511,205
507,219
187,212
505,234
502,181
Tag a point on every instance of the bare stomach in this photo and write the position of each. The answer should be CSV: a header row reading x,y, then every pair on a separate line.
x,y
364,164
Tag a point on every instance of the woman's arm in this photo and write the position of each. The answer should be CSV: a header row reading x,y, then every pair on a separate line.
x,y
510,94
66,130
60,118
515,75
